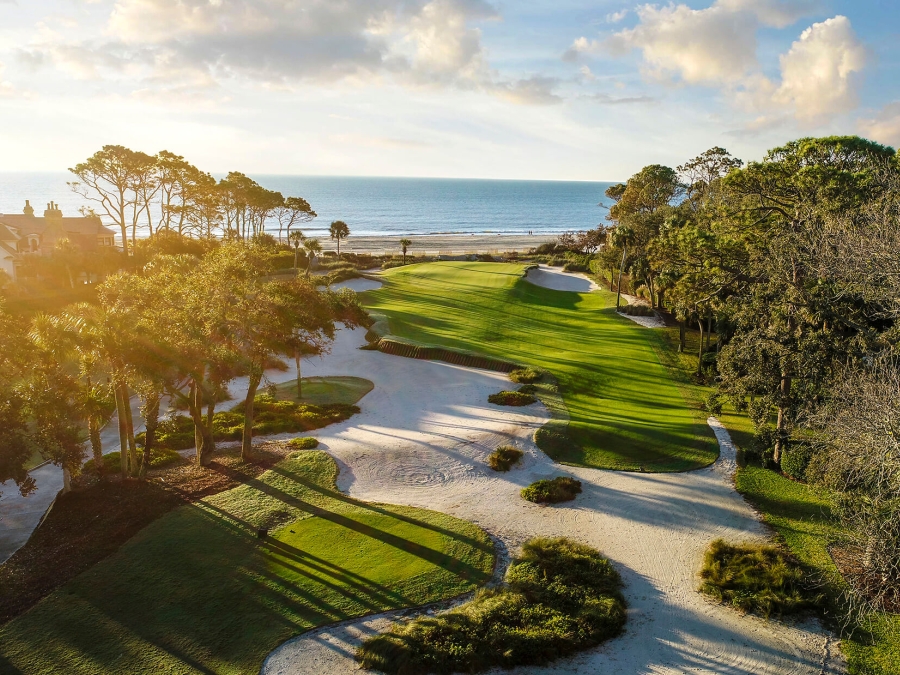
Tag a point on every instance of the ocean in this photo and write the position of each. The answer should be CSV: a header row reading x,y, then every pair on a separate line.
x,y
387,206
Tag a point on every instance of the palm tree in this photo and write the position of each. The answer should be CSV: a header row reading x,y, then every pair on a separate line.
x,y
405,244
296,238
339,230
312,247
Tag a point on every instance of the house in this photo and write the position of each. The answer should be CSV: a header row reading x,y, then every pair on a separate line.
x,y
26,234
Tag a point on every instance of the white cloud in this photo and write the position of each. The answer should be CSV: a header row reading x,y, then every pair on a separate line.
x,y
819,75
616,17
885,126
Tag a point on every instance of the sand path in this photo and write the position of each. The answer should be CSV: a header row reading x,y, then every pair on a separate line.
x,y
421,440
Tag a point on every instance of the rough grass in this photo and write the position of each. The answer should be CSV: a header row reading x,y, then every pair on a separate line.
x,y
112,463
524,376
512,398
197,592
626,411
560,597
325,390
755,578
504,458
552,491
305,443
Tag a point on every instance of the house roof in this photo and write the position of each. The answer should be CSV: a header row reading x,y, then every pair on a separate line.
x,y
86,225
6,234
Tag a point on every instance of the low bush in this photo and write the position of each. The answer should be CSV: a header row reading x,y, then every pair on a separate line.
x,y
304,443
339,275
713,404
796,460
755,578
525,375
637,310
112,463
504,458
561,597
527,389
552,491
513,398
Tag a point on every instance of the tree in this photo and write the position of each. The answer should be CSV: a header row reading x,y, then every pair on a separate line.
x,y
620,237
313,248
296,238
404,246
646,192
293,211
702,175
120,182
16,445
339,230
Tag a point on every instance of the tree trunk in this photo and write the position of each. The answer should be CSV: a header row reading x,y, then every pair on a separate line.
x,y
708,331
682,341
151,421
297,357
247,438
781,427
202,432
123,431
296,260
129,427
700,353
96,444
621,270
67,480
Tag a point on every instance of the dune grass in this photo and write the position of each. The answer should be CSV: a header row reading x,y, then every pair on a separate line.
x,y
325,390
560,597
504,458
626,411
197,592
552,491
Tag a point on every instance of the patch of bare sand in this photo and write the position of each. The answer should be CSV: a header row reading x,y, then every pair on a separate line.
x,y
422,439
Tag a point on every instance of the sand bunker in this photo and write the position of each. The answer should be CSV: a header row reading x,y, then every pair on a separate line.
x,y
422,439
557,280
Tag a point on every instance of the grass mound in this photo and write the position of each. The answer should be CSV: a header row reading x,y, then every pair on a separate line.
x,y
754,578
512,398
112,463
504,457
197,592
553,491
524,376
561,597
305,443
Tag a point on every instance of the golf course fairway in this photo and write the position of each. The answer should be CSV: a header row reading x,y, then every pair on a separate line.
x,y
626,411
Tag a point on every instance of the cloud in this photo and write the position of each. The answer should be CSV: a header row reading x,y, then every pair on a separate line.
x,y
379,142
616,17
535,90
885,126
606,99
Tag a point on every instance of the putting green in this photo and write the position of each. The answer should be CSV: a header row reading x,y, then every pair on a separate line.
x,y
197,592
325,390
626,410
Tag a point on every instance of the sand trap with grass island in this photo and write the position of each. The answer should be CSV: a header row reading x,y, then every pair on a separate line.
x,y
422,439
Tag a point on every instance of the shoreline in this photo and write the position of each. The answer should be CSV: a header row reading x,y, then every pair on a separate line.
x,y
440,244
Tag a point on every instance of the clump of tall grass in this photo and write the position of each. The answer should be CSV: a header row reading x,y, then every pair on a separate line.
x,y
552,491
560,597
513,398
504,457
755,578
526,375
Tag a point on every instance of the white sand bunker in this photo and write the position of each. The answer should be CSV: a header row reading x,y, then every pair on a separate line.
x,y
557,280
359,285
421,440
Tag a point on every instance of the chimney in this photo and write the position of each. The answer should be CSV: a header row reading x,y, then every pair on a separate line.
x,y
28,211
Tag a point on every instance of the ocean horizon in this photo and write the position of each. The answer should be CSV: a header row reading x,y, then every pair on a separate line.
x,y
377,206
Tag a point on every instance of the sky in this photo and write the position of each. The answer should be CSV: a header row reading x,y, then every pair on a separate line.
x,y
539,89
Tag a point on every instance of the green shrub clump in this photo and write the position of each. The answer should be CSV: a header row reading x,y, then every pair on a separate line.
x,y
637,310
527,389
553,491
504,457
514,398
796,460
305,443
112,463
754,578
553,440
525,376
560,597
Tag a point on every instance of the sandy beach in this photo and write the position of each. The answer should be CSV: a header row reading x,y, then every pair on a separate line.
x,y
440,244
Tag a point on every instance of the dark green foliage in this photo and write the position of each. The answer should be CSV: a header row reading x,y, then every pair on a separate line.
x,y
271,417
755,578
561,597
525,375
304,443
637,310
504,457
713,404
513,398
552,491
555,441
796,459
159,457
527,389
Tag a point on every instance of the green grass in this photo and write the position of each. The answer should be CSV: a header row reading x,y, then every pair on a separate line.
x,y
561,597
325,390
197,592
626,411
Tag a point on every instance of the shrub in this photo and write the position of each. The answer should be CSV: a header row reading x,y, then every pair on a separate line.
x,y
527,389
513,398
112,463
504,457
754,578
553,491
560,597
304,443
552,440
524,375
796,459
637,310
713,404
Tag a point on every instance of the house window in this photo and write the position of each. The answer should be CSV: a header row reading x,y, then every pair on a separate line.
x,y
34,245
